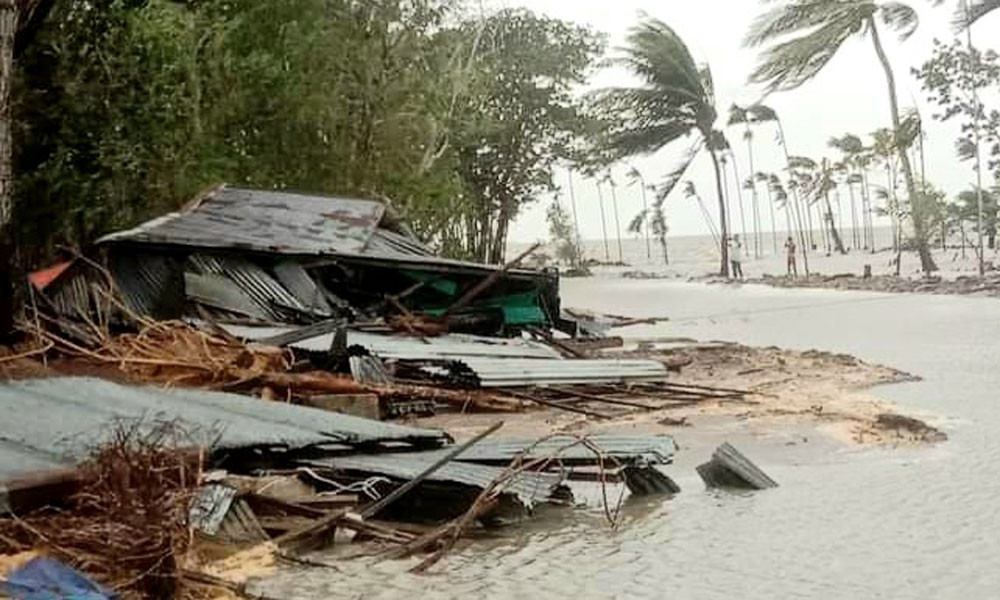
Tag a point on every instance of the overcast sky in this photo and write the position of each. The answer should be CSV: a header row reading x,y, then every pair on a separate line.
x,y
848,96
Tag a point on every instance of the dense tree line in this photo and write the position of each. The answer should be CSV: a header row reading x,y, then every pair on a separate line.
x,y
123,109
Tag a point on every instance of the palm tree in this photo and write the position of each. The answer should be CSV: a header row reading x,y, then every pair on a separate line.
x,y
809,34
884,149
691,192
970,11
604,223
755,114
635,177
725,156
675,99
851,148
618,224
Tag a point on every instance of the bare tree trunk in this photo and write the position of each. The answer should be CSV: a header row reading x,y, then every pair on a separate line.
x,y
838,243
724,238
753,183
618,223
916,205
793,190
855,234
8,29
604,224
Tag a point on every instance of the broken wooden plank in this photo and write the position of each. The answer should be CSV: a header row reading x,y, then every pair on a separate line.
x,y
554,404
488,281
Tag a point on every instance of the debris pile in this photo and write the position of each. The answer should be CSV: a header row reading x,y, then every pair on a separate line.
x,y
127,525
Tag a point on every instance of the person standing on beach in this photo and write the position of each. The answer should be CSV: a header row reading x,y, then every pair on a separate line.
x,y
793,267
736,256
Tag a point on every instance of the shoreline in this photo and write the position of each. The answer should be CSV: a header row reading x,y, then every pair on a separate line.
x,y
832,393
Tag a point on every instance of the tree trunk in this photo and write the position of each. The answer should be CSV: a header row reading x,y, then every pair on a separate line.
x,y
8,29
855,234
618,223
866,212
794,193
604,224
739,196
838,243
724,238
916,205
754,198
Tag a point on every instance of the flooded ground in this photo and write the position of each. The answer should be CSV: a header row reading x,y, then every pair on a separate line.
x,y
848,522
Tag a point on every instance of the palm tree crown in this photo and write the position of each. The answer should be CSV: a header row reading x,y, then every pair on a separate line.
x,y
818,28
675,99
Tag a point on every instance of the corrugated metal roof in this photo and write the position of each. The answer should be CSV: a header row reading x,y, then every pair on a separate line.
x,y
454,346
266,221
530,488
629,449
516,372
51,423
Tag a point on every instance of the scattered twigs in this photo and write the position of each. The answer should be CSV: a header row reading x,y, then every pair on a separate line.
x,y
127,526
445,537
37,351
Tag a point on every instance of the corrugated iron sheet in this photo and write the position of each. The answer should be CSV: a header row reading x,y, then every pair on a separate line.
x,y
52,423
389,243
529,488
516,372
301,285
455,346
151,283
628,449
264,221
268,294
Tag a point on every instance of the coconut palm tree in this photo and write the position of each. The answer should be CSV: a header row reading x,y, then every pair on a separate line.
x,y
755,114
970,11
851,149
604,223
691,192
641,223
674,99
804,35
610,180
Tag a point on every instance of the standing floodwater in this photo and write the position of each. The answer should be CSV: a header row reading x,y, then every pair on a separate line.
x,y
846,522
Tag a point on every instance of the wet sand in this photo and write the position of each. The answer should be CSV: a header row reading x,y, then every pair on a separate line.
x,y
789,390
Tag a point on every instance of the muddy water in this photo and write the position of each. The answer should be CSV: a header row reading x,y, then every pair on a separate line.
x,y
846,523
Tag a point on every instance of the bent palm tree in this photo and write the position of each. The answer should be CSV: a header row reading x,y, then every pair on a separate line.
x,y
970,11
811,33
851,148
675,99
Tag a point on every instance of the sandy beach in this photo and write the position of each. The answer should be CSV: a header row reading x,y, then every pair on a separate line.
x,y
830,393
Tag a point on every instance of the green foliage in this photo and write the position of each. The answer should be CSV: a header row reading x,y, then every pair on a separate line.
x,y
521,117
676,99
955,78
564,235
124,110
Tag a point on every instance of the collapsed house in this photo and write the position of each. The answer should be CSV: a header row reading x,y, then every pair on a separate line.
x,y
240,255
338,280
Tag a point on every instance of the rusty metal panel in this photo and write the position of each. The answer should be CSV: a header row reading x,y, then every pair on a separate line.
x,y
265,221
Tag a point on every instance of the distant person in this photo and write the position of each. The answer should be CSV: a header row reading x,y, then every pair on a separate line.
x,y
793,267
736,256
